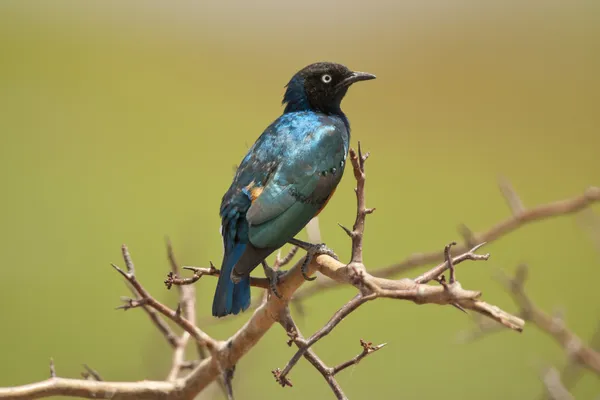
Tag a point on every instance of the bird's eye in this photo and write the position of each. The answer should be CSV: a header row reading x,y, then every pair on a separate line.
x,y
326,78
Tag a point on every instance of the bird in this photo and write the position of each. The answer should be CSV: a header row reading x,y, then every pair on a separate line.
x,y
285,179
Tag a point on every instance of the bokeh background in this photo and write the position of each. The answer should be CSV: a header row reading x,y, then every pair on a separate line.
x,y
121,122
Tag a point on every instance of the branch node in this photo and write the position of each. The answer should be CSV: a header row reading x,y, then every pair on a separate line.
x,y
131,303
282,380
126,275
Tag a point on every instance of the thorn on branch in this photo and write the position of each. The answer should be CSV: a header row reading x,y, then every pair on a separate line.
x,y
131,303
52,368
91,373
348,231
126,275
460,308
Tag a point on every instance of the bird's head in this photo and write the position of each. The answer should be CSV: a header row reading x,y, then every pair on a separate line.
x,y
321,87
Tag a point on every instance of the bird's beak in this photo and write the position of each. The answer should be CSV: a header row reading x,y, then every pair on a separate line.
x,y
356,77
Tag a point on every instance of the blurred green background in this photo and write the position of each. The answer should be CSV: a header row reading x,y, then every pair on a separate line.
x,y
121,122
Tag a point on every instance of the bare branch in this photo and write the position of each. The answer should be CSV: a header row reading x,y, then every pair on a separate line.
x,y
243,340
573,345
416,290
501,229
223,357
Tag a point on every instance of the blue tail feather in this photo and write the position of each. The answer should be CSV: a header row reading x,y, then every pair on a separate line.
x,y
231,298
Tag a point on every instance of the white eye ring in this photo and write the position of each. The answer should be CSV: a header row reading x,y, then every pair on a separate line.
x,y
326,78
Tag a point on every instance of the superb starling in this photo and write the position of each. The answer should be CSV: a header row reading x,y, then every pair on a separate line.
x,y
285,180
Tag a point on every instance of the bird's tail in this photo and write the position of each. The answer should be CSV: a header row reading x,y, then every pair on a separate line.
x,y
231,298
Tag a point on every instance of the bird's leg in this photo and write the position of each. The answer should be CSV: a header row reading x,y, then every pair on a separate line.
x,y
312,250
273,277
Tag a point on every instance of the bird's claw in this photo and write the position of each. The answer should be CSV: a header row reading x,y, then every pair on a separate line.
x,y
273,277
313,251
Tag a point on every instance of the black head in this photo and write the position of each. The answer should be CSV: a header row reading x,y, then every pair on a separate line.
x,y
321,87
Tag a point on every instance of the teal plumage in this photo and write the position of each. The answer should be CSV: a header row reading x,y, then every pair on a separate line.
x,y
285,179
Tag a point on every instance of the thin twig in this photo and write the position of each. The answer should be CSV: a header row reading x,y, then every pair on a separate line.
x,y
368,348
90,372
199,272
160,324
146,299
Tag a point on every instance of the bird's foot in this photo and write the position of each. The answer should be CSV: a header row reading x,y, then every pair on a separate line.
x,y
273,276
313,251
